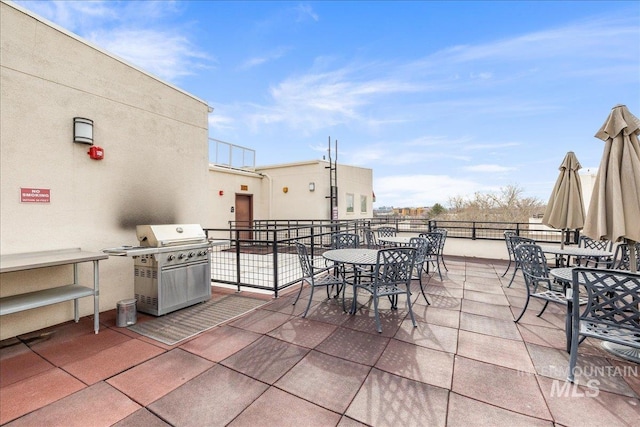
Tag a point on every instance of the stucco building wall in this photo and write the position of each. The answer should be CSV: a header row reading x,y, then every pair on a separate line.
x,y
154,170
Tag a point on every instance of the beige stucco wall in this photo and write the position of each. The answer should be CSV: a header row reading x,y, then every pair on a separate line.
x,y
155,168
300,203
232,182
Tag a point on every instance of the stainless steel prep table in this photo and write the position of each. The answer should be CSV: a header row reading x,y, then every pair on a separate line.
x,y
32,260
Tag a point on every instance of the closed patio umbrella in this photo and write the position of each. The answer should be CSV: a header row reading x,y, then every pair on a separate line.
x,y
614,210
565,209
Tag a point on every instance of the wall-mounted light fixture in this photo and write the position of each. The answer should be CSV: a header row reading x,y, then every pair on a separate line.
x,y
312,186
83,130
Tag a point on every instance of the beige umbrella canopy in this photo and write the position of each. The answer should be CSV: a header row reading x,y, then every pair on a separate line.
x,y
614,210
565,209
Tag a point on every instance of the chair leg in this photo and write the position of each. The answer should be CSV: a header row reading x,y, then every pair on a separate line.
x,y
513,276
443,264
309,303
354,302
344,289
299,292
508,267
413,319
439,273
573,356
568,324
421,287
375,313
546,303
526,303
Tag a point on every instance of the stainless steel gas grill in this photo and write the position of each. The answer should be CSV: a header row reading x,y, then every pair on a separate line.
x,y
172,267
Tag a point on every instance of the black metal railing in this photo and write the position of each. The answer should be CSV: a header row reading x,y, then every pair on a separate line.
x,y
261,254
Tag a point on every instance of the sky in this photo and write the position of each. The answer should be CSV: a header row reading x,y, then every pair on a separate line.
x,y
440,99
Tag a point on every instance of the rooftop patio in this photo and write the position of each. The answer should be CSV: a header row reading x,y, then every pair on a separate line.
x,y
467,363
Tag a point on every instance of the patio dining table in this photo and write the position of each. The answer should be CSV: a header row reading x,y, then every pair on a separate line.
x,y
353,256
396,240
360,258
574,251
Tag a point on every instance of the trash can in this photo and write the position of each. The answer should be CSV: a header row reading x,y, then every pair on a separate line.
x,y
126,313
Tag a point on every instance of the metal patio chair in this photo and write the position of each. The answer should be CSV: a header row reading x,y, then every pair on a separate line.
x,y
507,239
421,246
444,233
433,253
602,245
610,312
391,277
515,242
386,232
370,239
345,240
538,283
315,276
621,259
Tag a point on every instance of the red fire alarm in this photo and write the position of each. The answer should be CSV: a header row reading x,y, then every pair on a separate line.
x,y
96,153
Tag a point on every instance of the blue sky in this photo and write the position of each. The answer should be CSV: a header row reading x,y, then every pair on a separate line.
x,y
439,99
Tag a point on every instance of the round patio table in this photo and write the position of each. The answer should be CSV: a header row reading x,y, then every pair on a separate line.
x,y
352,256
396,240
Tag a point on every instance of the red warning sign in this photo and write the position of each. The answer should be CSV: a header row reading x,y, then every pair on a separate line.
x,y
35,195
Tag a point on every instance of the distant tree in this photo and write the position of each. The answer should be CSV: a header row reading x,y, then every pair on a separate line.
x,y
437,210
506,205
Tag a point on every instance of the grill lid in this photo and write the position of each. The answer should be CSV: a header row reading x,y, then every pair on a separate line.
x,y
170,234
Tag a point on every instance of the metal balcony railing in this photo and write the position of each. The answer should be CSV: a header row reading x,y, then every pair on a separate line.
x,y
261,254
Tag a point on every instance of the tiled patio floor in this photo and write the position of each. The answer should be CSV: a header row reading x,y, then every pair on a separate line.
x,y
467,363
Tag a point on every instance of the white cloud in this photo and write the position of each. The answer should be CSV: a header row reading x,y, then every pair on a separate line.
x,y
423,190
306,11
220,122
488,168
264,58
471,147
134,31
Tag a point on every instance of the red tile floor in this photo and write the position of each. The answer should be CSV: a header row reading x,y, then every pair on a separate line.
x,y
467,363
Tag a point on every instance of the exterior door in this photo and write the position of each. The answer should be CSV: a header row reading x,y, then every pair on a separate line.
x,y
244,214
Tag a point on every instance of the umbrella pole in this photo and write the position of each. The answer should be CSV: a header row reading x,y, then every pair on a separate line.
x,y
633,263
562,239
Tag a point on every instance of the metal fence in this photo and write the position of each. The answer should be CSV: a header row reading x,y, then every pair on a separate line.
x,y
263,256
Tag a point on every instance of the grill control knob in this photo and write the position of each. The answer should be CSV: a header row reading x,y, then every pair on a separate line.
x,y
171,257
181,256
192,254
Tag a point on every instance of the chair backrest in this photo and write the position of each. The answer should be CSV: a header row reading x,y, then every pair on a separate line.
x,y
444,232
387,232
394,266
421,246
508,234
370,238
345,240
305,260
621,258
533,263
612,296
434,240
518,240
588,242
